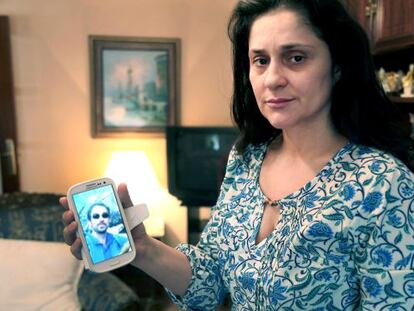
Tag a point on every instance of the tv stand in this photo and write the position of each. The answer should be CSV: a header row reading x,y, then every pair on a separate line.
x,y
195,223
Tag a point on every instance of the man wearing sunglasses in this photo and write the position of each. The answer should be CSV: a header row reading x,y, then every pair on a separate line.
x,y
103,244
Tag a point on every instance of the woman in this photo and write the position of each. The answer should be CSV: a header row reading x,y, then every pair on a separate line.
x,y
315,211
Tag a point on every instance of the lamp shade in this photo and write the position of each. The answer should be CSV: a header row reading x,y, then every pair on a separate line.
x,y
134,169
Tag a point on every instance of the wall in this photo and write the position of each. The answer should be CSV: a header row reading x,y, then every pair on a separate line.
x,y
51,76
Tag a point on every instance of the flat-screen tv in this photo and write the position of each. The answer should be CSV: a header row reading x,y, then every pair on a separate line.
x,y
196,162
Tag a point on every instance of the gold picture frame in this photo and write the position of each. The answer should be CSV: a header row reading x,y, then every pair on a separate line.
x,y
134,85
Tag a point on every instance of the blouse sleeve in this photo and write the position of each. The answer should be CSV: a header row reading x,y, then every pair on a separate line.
x,y
385,254
206,289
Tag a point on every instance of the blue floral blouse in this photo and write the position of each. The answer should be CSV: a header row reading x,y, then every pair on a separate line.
x,y
345,241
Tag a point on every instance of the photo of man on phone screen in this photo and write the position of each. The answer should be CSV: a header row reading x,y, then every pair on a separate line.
x,y
103,244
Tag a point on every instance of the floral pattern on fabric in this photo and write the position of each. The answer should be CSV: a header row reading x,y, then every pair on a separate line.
x,y
345,241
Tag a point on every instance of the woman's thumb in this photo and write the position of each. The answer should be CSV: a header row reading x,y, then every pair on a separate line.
x,y
124,195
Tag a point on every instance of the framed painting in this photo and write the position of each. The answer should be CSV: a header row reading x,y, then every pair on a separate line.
x,y
134,85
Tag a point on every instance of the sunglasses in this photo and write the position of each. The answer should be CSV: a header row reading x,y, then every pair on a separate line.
x,y
104,215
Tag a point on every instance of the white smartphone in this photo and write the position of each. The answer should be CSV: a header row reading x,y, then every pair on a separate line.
x,y
107,243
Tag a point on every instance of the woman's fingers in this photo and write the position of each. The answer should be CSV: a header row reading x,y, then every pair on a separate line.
x,y
76,248
64,202
67,217
69,232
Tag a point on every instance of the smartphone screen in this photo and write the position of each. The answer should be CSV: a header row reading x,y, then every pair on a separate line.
x,y
101,223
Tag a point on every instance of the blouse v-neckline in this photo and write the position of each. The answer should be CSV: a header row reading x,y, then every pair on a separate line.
x,y
283,203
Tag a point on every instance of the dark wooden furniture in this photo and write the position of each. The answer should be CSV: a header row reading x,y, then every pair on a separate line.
x,y
8,132
390,27
389,23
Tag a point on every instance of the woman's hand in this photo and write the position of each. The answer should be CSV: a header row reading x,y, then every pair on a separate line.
x,y
165,264
69,232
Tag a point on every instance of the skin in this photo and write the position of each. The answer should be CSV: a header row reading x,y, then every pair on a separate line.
x,y
291,74
288,62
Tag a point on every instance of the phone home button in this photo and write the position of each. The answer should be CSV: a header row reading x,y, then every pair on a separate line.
x,y
114,263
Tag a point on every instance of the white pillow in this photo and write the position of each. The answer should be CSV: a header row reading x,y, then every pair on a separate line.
x,y
38,275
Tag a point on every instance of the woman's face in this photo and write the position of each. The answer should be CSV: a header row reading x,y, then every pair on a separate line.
x,y
290,71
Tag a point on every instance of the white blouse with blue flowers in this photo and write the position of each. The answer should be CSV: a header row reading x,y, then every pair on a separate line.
x,y
345,241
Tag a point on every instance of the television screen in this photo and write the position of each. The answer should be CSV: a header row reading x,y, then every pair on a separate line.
x,y
197,158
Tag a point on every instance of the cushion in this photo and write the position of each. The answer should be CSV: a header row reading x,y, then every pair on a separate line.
x,y
26,216
38,276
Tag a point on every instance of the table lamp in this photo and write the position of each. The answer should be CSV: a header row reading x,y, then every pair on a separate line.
x,y
134,169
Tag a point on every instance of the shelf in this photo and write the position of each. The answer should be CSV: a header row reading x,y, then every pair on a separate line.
x,y
402,100
393,46
406,105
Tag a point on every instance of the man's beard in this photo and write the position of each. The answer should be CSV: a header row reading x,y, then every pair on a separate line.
x,y
103,226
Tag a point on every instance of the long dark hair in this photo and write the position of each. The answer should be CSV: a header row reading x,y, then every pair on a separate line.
x,y
360,109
